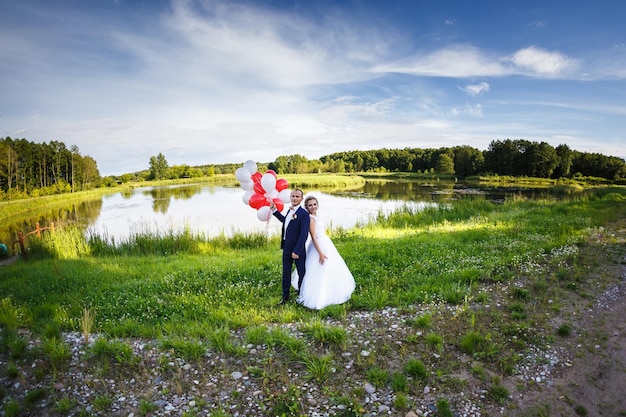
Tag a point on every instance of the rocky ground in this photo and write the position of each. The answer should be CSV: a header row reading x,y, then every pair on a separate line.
x,y
581,374
594,383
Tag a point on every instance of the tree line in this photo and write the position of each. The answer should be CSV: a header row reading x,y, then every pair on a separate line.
x,y
516,158
29,169
35,169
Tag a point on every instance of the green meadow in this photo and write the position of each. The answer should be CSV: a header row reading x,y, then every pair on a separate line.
x,y
181,283
480,284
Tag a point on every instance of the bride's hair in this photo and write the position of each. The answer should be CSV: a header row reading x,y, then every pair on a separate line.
x,y
309,198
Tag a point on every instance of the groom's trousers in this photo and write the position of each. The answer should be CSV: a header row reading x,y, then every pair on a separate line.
x,y
288,268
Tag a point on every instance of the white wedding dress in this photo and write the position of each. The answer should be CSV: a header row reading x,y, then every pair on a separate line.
x,y
327,283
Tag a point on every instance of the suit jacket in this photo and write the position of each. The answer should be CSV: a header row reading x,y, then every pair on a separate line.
x,y
294,238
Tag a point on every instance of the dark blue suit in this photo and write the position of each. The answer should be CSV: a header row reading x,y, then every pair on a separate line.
x,y
292,241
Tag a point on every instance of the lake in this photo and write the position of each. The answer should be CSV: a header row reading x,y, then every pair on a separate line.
x,y
215,210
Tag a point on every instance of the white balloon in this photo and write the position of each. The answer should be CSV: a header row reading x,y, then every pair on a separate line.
x,y
250,165
246,197
263,213
273,194
242,175
285,195
268,181
247,185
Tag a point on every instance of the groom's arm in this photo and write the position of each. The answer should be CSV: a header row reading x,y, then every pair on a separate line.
x,y
279,216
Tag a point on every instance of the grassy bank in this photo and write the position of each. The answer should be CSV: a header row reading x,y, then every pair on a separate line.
x,y
558,186
436,255
192,294
16,209
325,181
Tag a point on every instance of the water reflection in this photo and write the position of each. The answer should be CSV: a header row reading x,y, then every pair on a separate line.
x,y
82,212
212,210
161,196
401,190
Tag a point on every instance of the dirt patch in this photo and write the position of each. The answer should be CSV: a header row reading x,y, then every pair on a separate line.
x,y
594,383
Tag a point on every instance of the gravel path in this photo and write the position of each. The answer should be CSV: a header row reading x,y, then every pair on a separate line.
x,y
221,383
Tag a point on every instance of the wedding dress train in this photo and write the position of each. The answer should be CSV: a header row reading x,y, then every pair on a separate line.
x,y
328,283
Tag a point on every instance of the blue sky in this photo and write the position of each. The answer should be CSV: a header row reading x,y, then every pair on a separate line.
x,y
206,81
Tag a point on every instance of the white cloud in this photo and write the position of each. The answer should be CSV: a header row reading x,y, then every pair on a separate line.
x,y
434,124
351,108
222,81
469,61
475,110
457,61
476,89
265,48
536,61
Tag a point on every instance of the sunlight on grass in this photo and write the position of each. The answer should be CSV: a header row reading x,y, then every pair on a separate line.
x,y
172,282
453,297
474,224
378,232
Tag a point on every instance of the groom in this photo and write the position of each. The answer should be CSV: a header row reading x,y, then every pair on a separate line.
x,y
294,234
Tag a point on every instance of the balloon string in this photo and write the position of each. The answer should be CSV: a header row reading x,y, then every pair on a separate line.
x,y
269,212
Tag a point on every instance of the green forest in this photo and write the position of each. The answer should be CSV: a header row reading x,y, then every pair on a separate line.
x,y
29,169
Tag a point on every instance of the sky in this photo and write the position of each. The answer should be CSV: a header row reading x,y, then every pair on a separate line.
x,y
210,82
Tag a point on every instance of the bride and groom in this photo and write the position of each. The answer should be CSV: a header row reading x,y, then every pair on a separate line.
x,y
321,276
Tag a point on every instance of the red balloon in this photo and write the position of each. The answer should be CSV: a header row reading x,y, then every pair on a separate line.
x,y
271,171
279,204
281,184
258,200
256,177
258,188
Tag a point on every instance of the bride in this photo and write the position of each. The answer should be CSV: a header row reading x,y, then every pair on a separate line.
x,y
327,279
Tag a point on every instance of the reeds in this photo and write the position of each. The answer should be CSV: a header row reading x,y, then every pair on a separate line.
x,y
86,323
70,243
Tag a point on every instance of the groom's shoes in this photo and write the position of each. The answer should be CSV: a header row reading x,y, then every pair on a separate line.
x,y
283,301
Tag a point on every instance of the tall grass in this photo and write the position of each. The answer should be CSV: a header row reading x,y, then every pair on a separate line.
x,y
167,284
148,243
33,206
70,243
346,181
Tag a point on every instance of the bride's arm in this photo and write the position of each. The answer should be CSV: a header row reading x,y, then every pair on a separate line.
x,y
314,240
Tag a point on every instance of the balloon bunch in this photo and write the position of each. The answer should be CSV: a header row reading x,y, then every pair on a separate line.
x,y
261,189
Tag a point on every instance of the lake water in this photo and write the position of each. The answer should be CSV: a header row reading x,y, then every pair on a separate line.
x,y
214,210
